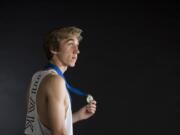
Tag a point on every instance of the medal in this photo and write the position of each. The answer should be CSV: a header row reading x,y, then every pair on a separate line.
x,y
79,92
89,98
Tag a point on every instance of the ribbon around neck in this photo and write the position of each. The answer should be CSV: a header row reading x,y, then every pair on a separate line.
x,y
69,87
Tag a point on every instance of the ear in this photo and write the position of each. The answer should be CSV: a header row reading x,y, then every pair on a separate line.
x,y
54,52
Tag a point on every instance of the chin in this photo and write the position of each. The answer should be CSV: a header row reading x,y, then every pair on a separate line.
x,y
72,65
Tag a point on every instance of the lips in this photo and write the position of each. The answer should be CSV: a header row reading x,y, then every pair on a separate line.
x,y
74,57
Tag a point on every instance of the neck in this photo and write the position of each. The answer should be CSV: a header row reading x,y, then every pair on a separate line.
x,y
59,65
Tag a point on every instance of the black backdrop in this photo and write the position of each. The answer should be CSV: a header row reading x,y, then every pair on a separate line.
x,y
128,61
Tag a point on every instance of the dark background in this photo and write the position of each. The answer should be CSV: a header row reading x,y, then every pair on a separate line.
x,y
129,61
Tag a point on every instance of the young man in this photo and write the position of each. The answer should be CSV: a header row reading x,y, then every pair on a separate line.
x,y
49,106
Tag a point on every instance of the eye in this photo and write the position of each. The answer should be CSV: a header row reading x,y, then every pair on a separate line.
x,y
70,43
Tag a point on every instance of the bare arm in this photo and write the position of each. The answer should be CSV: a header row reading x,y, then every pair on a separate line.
x,y
56,107
85,112
76,117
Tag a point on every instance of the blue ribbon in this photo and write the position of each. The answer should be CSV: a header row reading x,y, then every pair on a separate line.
x,y
69,87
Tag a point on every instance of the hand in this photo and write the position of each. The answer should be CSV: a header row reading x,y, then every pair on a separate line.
x,y
88,110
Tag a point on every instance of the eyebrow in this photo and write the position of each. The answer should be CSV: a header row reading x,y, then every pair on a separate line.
x,y
70,39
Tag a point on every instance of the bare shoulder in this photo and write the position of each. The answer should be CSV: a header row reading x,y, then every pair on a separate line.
x,y
54,85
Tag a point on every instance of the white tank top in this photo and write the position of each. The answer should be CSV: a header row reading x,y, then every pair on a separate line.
x,y
33,124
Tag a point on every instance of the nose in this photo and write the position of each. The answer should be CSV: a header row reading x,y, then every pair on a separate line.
x,y
76,50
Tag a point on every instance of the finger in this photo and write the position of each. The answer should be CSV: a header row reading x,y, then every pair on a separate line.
x,y
93,102
91,106
91,110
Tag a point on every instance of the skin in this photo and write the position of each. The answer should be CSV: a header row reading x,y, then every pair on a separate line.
x,y
52,100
